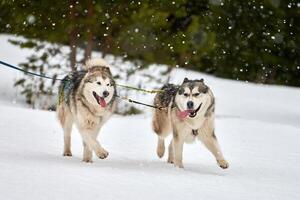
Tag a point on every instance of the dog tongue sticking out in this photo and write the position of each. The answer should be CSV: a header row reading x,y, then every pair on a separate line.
x,y
102,102
183,114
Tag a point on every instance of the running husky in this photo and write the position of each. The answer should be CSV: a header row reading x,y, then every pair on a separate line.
x,y
189,114
87,98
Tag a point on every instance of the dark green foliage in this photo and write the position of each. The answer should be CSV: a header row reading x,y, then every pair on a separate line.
x,y
34,88
256,40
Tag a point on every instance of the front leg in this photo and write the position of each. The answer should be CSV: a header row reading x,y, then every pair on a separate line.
x,y
87,153
171,152
89,126
210,141
89,138
177,148
89,129
100,152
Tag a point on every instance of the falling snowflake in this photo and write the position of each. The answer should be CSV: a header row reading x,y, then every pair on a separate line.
x,y
30,19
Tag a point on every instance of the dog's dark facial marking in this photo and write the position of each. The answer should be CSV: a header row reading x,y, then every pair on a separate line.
x,y
101,71
90,79
202,88
180,90
191,84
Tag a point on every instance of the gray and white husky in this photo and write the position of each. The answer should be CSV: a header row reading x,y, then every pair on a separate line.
x,y
189,114
87,99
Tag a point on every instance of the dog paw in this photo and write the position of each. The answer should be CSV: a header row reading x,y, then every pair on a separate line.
x,y
223,164
102,154
178,165
67,153
87,160
170,161
160,151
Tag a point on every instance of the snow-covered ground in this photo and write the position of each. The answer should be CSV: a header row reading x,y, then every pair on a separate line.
x,y
258,128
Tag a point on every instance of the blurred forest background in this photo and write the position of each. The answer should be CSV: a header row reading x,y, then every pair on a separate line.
x,y
255,40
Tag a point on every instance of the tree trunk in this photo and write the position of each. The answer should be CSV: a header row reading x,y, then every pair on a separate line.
x,y
72,35
89,46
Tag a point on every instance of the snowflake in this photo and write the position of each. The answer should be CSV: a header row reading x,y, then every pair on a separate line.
x,y
30,19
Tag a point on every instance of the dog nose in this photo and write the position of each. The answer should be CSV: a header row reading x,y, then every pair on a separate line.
x,y
190,105
105,94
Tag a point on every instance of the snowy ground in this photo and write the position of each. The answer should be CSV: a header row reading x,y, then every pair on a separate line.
x,y
258,128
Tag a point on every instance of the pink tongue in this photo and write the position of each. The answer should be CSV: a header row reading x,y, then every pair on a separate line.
x,y
183,114
102,102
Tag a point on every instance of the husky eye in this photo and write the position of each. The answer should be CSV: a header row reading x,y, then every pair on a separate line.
x,y
196,94
99,83
107,84
186,94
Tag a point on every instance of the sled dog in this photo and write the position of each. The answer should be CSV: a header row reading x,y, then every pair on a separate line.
x,y
87,99
189,114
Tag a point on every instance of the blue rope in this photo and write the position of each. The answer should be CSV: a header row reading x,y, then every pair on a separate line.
x,y
27,72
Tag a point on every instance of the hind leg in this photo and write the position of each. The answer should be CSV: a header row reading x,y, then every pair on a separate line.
x,y
178,149
66,121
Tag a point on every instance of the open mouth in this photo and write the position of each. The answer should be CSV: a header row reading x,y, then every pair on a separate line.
x,y
190,113
100,100
193,113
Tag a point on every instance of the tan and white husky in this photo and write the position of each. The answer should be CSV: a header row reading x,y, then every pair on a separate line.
x,y
87,99
189,114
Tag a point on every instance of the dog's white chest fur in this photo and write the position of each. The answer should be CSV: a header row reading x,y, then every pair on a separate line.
x,y
196,122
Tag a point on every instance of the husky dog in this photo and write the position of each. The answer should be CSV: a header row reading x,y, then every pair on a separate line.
x,y
189,114
87,98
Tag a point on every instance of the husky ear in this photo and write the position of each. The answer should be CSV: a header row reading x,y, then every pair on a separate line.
x,y
200,80
106,69
185,80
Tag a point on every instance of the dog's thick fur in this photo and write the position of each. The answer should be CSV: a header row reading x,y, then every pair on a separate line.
x,y
87,99
197,124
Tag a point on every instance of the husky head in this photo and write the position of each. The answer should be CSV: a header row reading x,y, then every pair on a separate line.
x,y
99,87
191,96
